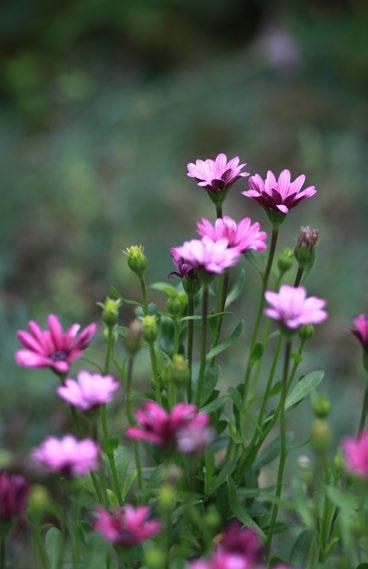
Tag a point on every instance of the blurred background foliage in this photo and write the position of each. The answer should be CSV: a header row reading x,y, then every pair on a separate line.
x,y
103,102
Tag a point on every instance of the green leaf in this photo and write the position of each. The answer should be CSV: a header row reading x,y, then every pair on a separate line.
x,y
54,547
300,549
166,288
257,353
304,387
226,471
117,294
214,405
237,288
227,343
239,510
110,444
210,382
269,454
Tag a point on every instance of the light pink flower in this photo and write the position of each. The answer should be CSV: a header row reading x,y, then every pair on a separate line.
x,y
213,257
90,391
68,456
195,436
280,194
158,426
126,526
14,492
360,330
52,348
293,309
356,454
242,236
216,175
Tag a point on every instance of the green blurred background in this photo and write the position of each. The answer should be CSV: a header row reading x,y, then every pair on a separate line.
x,y
103,102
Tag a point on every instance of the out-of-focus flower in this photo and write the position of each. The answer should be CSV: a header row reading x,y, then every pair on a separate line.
x,y
291,307
356,454
196,436
242,236
216,175
160,427
52,348
360,330
68,456
14,493
126,526
90,391
213,257
279,195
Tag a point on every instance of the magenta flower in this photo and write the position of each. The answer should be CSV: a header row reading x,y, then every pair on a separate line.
x,y
213,257
90,391
293,309
242,236
183,269
278,195
356,454
14,493
195,436
360,330
160,427
127,526
216,175
68,456
52,348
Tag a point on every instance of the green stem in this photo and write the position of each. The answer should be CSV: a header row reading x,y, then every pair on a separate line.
x,y
219,211
364,412
156,377
144,294
299,275
270,381
223,288
190,345
265,279
203,346
131,420
283,446
110,455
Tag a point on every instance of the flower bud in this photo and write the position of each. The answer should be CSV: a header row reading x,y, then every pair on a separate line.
x,y
174,305
321,405
137,260
306,332
166,497
320,436
110,311
150,328
338,462
155,558
285,260
39,502
305,248
134,338
179,369
191,284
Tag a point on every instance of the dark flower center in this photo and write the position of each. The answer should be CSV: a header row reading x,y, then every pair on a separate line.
x,y
59,356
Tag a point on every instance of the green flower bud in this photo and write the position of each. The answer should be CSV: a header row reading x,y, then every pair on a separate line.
x,y
174,305
137,260
167,497
155,558
321,436
134,338
285,260
306,332
39,503
150,328
179,369
212,518
339,462
305,248
110,311
321,405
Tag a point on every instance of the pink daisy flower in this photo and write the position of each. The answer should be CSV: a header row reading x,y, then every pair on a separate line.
x,y
216,175
291,307
14,492
242,236
280,194
68,456
213,257
195,436
360,330
126,526
90,391
356,454
52,348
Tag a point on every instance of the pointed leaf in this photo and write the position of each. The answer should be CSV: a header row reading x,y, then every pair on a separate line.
x,y
304,387
227,343
237,288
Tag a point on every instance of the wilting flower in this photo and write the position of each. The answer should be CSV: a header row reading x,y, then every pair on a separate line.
x,y
126,526
90,391
195,436
293,309
213,257
158,426
356,454
52,348
14,492
242,236
68,456
360,330
216,175
280,194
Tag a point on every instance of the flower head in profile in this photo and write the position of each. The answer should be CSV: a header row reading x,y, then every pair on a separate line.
x,y
291,307
360,330
183,269
14,493
160,427
212,256
68,455
356,454
52,348
278,194
89,391
216,175
126,526
243,236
